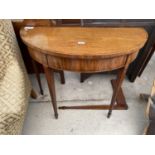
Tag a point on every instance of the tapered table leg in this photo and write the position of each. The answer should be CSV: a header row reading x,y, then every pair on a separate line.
x,y
119,81
37,75
51,84
120,100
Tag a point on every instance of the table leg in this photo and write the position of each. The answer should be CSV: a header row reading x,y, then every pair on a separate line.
x,y
62,77
117,97
119,81
37,75
49,73
120,100
84,76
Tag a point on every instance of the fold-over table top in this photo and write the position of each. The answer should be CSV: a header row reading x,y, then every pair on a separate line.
x,y
84,41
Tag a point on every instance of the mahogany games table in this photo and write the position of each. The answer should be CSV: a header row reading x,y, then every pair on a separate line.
x,y
85,49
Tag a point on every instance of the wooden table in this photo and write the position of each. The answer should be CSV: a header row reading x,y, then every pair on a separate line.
x,y
85,50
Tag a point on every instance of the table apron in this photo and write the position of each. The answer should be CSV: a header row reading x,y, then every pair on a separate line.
x,y
88,65
38,56
80,65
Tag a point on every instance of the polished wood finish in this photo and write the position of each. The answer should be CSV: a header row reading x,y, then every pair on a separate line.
x,y
41,58
51,85
92,107
87,65
25,54
119,82
85,50
135,69
77,42
37,68
79,51
120,99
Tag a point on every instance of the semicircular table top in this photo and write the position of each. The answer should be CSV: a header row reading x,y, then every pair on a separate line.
x,y
84,41
85,49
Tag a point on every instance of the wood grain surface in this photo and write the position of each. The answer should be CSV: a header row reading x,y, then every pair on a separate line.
x,y
85,50
83,42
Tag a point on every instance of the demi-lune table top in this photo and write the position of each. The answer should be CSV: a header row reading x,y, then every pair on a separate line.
x,y
84,41
85,49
